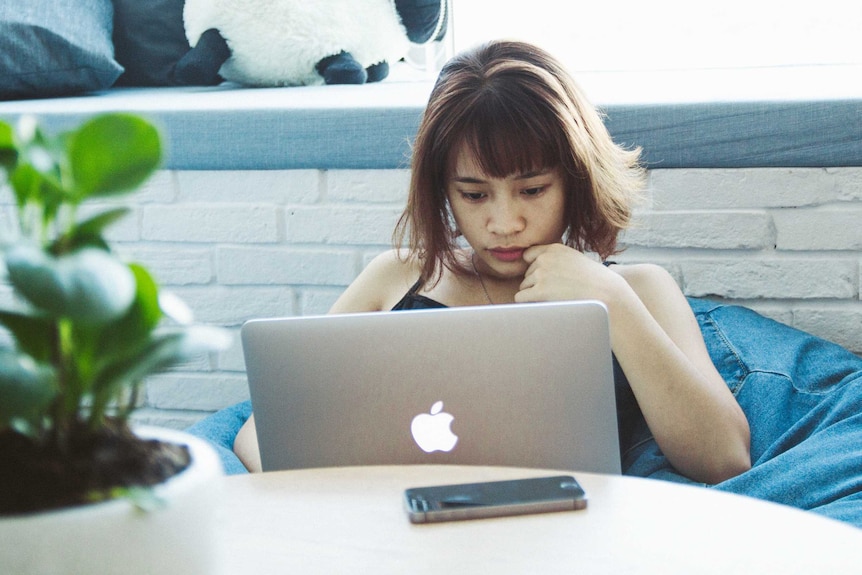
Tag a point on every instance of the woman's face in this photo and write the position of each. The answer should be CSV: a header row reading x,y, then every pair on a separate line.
x,y
502,217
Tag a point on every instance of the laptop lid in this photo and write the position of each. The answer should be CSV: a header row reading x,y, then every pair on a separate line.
x,y
527,385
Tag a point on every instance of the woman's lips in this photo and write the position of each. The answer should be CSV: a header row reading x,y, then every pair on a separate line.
x,y
507,254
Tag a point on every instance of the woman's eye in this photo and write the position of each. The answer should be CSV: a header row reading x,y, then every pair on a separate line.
x,y
472,196
533,191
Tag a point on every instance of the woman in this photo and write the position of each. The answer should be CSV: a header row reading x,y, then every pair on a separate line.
x,y
515,180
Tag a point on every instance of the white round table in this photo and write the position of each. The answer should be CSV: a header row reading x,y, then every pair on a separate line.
x,y
352,519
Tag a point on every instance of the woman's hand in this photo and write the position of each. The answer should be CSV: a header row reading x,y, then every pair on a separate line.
x,y
559,273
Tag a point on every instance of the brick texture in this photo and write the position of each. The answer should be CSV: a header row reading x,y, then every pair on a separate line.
x,y
240,245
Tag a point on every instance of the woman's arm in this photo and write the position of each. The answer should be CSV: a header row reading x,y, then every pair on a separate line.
x,y
695,419
380,285
245,446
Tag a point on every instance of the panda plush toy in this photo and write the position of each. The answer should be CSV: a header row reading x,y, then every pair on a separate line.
x,y
302,42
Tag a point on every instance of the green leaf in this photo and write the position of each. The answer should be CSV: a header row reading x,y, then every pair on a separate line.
x,y
134,328
97,224
130,350
101,347
8,151
26,182
127,372
146,304
164,350
89,285
88,232
112,153
26,388
37,150
34,186
33,334
7,135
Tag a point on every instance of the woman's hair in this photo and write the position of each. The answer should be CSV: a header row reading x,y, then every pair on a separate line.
x,y
517,110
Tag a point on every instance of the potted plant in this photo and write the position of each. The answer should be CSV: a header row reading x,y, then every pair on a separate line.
x,y
83,330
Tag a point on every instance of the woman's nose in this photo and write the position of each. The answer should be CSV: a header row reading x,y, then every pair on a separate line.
x,y
505,218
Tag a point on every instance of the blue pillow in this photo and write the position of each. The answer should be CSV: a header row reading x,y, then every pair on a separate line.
x,y
56,48
149,39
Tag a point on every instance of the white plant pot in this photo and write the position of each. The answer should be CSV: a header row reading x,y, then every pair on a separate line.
x,y
117,537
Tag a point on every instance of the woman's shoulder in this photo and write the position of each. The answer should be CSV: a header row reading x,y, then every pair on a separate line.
x,y
393,266
647,279
382,283
658,290
641,272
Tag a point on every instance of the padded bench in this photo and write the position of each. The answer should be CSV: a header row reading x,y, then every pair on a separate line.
x,y
229,127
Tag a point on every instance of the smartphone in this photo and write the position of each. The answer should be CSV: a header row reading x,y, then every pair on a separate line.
x,y
494,499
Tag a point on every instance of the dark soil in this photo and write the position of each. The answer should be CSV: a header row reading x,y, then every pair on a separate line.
x,y
34,478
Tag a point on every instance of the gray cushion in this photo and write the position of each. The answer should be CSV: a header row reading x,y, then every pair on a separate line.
x,y
56,48
371,127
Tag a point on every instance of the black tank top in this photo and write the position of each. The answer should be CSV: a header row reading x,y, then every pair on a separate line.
x,y
413,300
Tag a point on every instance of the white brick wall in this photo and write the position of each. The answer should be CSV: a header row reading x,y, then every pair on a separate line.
x,y
239,245
786,242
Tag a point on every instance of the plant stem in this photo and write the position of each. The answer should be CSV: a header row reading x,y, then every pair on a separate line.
x,y
68,381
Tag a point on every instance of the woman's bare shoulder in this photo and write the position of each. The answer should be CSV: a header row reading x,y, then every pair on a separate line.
x,y
661,294
380,285
644,276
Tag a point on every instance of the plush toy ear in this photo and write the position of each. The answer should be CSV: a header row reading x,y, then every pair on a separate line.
x,y
424,20
200,65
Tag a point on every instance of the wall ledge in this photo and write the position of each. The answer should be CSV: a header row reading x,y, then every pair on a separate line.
x,y
371,126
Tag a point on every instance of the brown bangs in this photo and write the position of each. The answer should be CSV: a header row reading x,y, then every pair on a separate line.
x,y
507,134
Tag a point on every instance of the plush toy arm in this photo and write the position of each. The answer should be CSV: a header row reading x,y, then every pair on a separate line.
x,y
201,64
341,68
377,72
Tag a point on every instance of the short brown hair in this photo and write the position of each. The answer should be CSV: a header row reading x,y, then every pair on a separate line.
x,y
518,110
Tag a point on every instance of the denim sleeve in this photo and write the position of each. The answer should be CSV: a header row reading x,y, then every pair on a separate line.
x,y
801,395
220,430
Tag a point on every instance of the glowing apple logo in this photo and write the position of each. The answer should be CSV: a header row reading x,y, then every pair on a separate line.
x,y
431,431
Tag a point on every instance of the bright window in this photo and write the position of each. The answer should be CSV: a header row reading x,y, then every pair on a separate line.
x,y
672,34
684,49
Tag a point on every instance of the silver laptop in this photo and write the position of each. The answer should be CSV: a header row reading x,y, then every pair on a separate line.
x,y
527,385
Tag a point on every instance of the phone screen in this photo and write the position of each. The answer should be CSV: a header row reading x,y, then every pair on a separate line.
x,y
494,499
